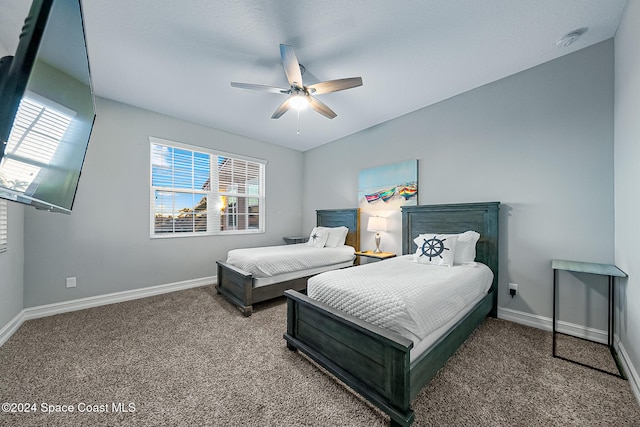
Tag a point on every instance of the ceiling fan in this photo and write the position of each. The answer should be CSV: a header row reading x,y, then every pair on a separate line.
x,y
300,95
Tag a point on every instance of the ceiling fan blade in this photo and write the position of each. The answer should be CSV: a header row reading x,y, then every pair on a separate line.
x,y
334,85
291,65
261,88
321,108
283,108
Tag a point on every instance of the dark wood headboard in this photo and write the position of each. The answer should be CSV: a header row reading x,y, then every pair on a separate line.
x,y
349,218
452,219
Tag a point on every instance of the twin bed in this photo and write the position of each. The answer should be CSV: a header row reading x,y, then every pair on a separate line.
x,y
372,326
390,356
253,275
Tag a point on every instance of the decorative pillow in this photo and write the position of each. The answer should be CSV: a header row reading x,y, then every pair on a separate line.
x,y
466,247
435,249
337,236
318,237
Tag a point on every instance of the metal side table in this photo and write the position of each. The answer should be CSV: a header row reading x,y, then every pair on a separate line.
x,y
609,270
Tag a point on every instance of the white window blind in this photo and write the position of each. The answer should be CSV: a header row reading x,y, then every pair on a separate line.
x,y
196,191
3,226
39,127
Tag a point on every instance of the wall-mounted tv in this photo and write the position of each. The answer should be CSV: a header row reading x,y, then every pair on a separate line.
x,y
47,108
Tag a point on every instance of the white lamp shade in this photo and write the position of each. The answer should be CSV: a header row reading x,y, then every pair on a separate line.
x,y
377,223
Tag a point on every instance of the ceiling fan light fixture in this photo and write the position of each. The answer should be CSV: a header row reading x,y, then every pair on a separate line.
x,y
299,102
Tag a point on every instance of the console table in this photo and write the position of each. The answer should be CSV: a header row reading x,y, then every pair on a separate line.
x,y
591,268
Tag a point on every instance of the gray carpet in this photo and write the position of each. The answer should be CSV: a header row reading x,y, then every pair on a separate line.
x,y
190,358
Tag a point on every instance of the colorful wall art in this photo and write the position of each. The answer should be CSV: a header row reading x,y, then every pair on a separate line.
x,y
388,187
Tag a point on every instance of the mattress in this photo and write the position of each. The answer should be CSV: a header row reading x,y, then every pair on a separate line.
x,y
398,294
266,281
272,261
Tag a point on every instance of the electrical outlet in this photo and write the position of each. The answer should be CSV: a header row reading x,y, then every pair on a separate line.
x,y
71,282
513,289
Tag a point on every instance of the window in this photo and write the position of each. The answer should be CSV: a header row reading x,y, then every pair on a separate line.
x,y
3,226
37,131
196,191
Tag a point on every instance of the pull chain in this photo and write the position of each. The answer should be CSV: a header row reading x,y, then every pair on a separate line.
x,y
298,122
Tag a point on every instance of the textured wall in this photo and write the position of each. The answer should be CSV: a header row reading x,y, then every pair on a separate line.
x,y
12,261
540,142
627,176
105,242
12,266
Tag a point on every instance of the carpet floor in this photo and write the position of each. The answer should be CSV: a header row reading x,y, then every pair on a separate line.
x,y
190,358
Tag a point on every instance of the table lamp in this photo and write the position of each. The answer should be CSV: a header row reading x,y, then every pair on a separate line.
x,y
377,224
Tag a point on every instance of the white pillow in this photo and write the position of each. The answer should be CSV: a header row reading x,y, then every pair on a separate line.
x,y
435,249
465,252
466,247
318,237
337,236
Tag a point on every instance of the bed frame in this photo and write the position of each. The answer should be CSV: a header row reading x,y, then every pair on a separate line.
x,y
238,285
375,362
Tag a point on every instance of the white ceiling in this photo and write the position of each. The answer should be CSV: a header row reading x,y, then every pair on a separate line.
x,y
178,57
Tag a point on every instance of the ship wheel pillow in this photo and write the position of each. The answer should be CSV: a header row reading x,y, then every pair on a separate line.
x,y
318,237
435,249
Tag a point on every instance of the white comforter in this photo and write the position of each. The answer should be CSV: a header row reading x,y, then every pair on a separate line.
x,y
273,260
401,295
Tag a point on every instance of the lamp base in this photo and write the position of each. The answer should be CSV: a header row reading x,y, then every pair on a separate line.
x,y
377,250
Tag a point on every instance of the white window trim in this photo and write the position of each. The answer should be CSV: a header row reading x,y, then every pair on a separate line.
x,y
210,206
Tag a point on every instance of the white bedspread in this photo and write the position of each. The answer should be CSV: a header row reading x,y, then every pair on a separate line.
x,y
273,260
410,298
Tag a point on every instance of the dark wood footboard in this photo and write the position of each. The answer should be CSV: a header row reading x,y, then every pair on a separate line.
x,y
371,360
236,285
374,362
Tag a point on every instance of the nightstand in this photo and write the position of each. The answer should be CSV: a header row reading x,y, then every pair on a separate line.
x,y
371,254
295,239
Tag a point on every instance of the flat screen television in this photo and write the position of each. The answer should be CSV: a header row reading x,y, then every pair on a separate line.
x,y
47,108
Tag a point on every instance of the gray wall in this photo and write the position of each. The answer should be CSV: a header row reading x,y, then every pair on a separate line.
x,y
627,176
105,242
540,142
12,261
12,266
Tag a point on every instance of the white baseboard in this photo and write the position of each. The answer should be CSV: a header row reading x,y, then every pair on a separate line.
x,y
546,323
632,374
11,327
89,302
